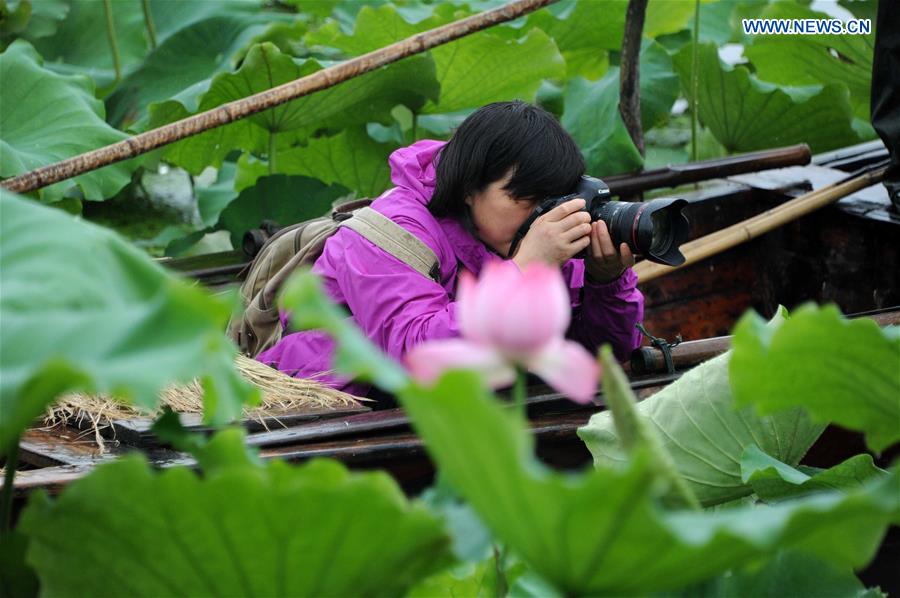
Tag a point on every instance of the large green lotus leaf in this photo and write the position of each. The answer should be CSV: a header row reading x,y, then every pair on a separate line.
x,y
590,533
838,370
375,27
82,309
16,578
592,117
170,17
242,528
861,9
584,32
467,69
48,117
192,55
350,159
637,435
814,59
706,436
212,200
280,198
362,99
773,480
592,112
659,85
599,24
44,18
747,114
788,573
81,44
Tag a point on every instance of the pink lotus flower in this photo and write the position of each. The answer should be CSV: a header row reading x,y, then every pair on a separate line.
x,y
511,318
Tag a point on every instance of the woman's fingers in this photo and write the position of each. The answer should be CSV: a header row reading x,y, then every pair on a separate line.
x,y
604,241
560,212
627,256
577,231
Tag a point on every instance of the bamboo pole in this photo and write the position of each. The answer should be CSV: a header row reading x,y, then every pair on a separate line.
x,y
719,241
238,109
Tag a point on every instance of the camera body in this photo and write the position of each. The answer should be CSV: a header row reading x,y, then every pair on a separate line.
x,y
654,229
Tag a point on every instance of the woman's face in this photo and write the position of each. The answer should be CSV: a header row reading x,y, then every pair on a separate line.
x,y
497,215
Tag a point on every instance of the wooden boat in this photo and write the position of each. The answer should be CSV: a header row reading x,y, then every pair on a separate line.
x,y
847,253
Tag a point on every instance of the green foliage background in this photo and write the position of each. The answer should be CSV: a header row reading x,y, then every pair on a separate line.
x,y
788,89
246,527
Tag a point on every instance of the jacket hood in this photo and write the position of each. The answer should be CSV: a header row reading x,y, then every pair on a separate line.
x,y
412,168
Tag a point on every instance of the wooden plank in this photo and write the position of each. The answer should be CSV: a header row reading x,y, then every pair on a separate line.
x,y
62,445
541,402
377,451
354,451
136,432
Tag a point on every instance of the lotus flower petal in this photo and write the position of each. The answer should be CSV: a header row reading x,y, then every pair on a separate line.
x,y
428,360
569,368
515,312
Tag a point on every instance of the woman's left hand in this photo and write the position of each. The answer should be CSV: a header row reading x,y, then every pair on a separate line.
x,y
603,263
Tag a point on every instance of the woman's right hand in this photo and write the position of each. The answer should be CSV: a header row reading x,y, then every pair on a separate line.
x,y
556,236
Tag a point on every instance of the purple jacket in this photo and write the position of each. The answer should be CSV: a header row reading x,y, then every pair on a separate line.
x,y
397,308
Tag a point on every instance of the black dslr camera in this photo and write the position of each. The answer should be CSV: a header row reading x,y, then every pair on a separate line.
x,y
654,229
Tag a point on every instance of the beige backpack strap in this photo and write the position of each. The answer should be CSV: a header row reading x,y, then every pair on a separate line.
x,y
396,240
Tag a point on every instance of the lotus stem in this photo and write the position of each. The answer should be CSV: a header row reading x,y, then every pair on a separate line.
x,y
148,21
272,152
695,81
113,42
519,393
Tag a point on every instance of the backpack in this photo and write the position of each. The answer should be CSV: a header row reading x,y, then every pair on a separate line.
x,y
259,327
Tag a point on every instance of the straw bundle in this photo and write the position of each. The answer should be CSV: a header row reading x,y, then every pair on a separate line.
x,y
281,395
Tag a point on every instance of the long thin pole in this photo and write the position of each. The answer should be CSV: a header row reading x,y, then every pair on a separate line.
x,y
719,241
629,75
232,111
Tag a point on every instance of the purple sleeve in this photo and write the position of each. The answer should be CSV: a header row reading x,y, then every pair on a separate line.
x,y
395,306
605,313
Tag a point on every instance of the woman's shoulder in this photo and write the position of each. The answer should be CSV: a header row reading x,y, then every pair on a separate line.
x,y
410,213
406,211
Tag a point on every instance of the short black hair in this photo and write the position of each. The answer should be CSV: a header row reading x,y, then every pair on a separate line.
x,y
499,138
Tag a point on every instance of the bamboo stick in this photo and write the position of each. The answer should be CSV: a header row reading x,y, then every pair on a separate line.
x,y
232,111
719,241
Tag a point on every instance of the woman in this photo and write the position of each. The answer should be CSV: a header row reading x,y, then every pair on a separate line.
x,y
465,199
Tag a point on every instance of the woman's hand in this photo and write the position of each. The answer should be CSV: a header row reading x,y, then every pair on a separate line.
x,y
603,263
556,236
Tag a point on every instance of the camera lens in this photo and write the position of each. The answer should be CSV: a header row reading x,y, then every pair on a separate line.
x,y
662,233
654,229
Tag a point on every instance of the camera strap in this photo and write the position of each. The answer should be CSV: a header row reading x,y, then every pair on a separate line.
x,y
663,345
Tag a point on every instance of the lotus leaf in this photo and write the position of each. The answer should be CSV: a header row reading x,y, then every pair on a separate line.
x,y
116,323
841,371
37,128
486,454
273,530
746,114
773,480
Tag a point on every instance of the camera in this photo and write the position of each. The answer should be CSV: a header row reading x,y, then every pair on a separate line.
x,y
654,229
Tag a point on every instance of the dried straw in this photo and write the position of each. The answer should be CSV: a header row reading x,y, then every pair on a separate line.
x,y
281,395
